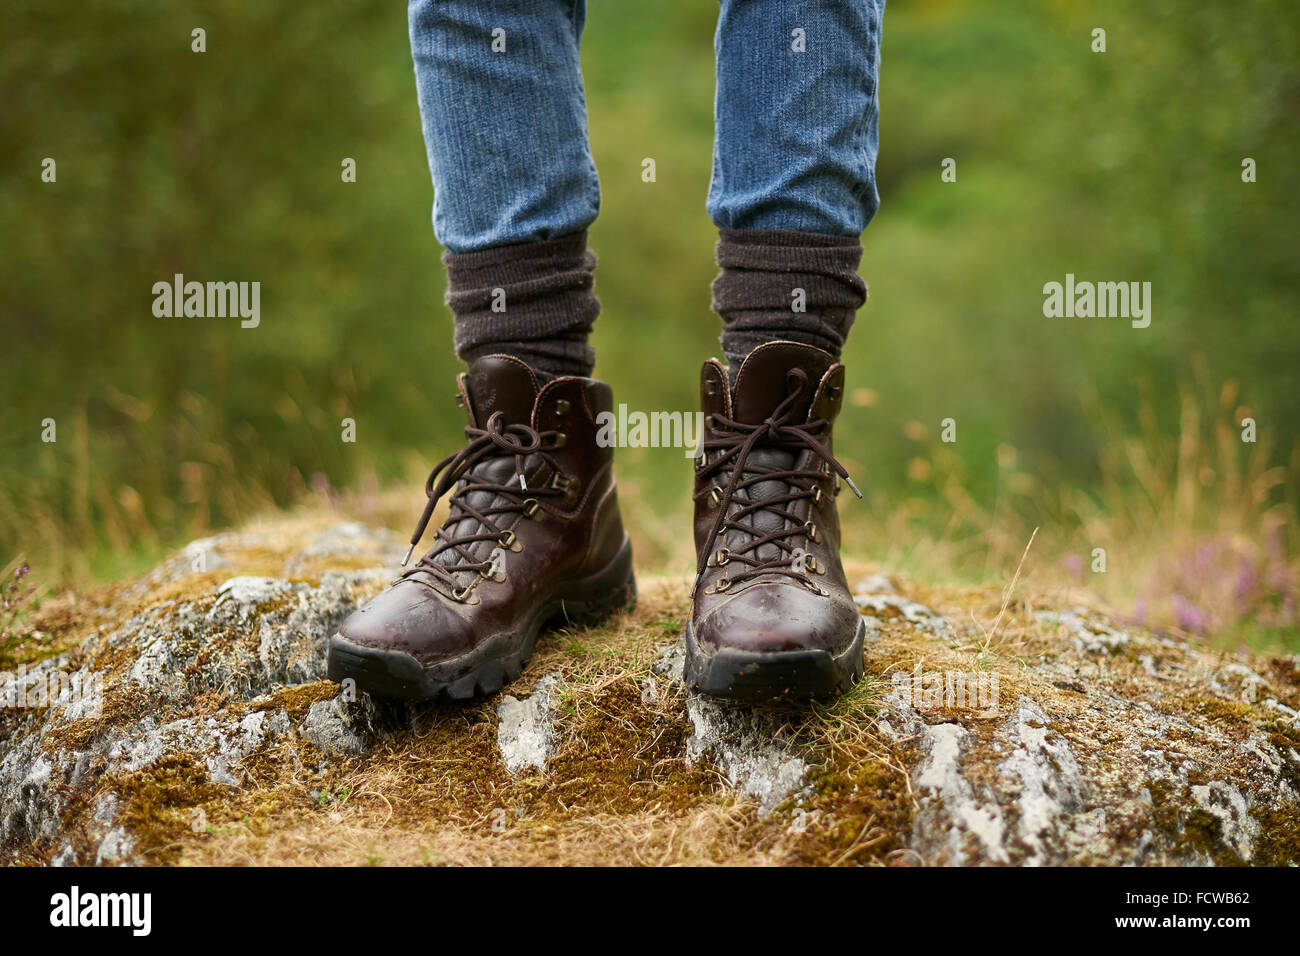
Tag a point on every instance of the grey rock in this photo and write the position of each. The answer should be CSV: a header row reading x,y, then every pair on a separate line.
x,y
875,608
1112,745
1226,803
956,823
338,726
875,584
249,639
743,743
248,594
115,847
1051,787
526,728
1090,636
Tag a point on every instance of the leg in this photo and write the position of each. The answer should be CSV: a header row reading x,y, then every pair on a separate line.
x,y
793,168
515,188
533,534
793,186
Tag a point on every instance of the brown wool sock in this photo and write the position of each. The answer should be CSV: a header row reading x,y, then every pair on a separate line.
x,y
532,300
767,272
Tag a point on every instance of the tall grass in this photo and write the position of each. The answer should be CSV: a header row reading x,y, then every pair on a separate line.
x,y
1188,527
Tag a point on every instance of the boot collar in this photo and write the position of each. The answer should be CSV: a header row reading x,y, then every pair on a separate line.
x,y
761,384
498,383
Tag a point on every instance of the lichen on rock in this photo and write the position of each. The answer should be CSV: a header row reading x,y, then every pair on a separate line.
x,y
526,732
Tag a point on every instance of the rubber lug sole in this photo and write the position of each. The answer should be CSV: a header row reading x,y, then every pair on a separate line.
x,y
757,676
490,665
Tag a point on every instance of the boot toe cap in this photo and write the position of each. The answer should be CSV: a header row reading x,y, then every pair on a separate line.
x,y
409,618
777,617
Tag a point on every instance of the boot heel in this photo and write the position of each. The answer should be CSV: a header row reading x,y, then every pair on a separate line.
x,y
594,600
591,613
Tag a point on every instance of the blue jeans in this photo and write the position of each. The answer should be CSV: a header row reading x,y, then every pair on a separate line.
x,y
794,117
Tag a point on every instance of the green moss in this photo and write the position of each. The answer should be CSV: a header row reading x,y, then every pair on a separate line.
x,y
1279,838
160,803
858,814
1228,711
296,700
1187,831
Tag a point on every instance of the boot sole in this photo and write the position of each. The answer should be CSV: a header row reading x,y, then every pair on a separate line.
x,y
757,676
494,662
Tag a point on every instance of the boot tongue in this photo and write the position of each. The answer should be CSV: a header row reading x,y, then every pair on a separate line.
x,y
761,382
761,385
494,383
500,383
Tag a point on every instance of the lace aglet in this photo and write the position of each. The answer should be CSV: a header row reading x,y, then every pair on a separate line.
x,y
852,486
409,552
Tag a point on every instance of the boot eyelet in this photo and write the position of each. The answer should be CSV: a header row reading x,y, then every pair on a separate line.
x,y
722,557
711,387
461,593
562,406
507,539
531,507
817,494
810,530
721,584
566,484
715,496
708,422
561,439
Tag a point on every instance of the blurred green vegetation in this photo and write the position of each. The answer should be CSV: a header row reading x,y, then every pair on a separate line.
x,y
225,165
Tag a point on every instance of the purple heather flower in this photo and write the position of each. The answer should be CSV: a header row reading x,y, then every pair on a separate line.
x,y
1187,615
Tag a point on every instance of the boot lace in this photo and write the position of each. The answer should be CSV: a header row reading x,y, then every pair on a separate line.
x,y
512,497
733,442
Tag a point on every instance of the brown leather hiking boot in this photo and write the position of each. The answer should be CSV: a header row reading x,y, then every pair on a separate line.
x,y
533,536
772,615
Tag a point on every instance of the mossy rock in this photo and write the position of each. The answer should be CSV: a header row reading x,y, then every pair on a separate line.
x,y
209,735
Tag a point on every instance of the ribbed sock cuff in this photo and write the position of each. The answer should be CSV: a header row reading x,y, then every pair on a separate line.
x,y
769,275
532,300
